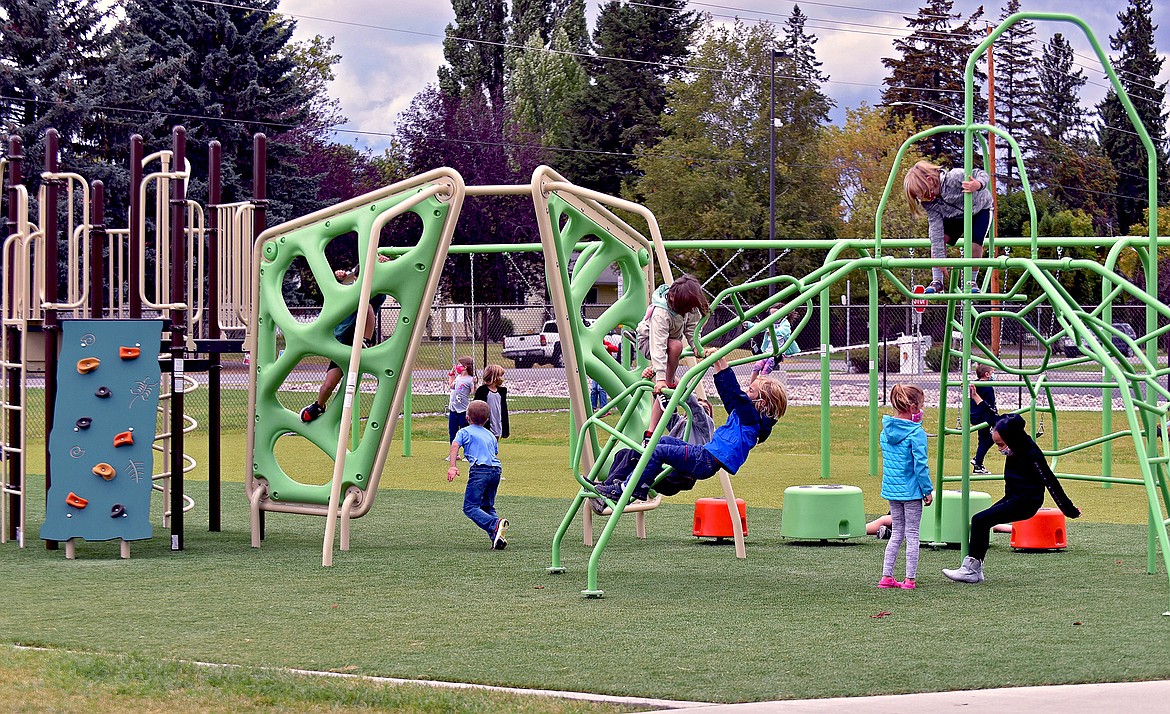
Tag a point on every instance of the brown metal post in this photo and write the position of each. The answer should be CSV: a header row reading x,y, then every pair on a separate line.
x,y
12,462
178,333
50,324
97,241
136,271
214,394
259,212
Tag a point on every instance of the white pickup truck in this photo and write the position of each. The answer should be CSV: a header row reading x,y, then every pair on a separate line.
x,y
541,348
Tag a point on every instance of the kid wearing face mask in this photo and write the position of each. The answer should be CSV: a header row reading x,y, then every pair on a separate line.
x,y
1025,477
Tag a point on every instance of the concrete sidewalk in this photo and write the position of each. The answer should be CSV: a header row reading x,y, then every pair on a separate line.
x,y
1128,697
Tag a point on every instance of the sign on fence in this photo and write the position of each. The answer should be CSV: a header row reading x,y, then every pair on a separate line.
x,y
919,305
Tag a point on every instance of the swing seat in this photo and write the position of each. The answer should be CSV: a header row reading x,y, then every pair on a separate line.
x,y
822,512
713,520
1043,531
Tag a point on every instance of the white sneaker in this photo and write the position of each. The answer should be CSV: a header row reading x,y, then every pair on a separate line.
x,y
498,540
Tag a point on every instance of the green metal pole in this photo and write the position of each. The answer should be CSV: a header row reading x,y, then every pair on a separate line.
x,y
874,396
826,440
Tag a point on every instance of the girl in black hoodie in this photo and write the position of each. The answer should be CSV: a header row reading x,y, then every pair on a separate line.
x,y
1025,476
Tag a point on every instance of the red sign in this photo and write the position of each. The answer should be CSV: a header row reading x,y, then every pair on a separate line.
x,y
919,305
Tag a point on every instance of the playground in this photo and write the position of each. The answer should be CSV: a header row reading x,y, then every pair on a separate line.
x,y
334,544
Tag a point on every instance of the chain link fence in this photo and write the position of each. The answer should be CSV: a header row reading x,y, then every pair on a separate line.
x,y
910,342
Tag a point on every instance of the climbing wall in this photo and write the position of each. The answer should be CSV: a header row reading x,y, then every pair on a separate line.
x,y
104,424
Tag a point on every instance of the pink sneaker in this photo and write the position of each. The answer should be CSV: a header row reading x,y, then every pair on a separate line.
x,y
888,582
908,584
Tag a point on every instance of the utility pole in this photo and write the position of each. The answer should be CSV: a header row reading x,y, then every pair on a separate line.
x,y
995,321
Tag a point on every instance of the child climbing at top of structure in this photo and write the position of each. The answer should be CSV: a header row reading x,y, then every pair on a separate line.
x,y
939,194
750,418
672,317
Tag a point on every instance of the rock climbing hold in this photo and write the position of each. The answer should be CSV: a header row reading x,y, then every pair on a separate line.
x,y
83,423
124,439
118,511
129,352
102,393
105,471
76,501
87,365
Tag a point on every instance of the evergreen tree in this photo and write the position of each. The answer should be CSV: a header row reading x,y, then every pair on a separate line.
x,y
1059,114
803,205
1137,67
1016,87
474,50
237,75
620,110
926,83
51,58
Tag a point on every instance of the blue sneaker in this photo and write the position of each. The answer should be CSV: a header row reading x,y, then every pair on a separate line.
x,y
934,287
974,287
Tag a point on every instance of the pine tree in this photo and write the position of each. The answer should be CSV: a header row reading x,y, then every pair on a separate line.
x,y
620,110
1016,86
51,58
926,83
474,50
1137,67
237,75
1059,114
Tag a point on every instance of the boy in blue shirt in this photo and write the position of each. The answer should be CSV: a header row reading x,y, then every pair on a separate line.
x,y
750,418
483,479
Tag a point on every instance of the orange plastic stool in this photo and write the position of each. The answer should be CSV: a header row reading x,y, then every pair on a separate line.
x,y
1043,531
712,520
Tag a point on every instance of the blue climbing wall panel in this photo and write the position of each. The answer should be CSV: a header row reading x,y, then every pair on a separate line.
x,y
103,428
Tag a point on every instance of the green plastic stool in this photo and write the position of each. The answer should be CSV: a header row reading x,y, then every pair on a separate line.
x,y
953,527
823,512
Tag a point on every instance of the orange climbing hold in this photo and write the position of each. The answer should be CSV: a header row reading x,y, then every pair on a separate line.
x,y
104,470
129,352
124,439
87,365
76,501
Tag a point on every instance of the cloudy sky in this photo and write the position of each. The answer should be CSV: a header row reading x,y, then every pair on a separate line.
x,y
392,50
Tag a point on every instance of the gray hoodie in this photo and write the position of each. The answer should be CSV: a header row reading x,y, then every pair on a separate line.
x,y
949,203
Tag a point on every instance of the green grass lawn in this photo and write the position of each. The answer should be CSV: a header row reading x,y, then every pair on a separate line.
x,y
421,596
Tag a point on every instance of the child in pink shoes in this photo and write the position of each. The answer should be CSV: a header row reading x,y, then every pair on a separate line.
x,y
905,480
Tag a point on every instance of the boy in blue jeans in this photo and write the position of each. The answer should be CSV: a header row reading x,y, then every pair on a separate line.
x,y
483,479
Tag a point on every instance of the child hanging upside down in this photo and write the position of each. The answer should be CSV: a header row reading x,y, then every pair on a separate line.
x,y
750,418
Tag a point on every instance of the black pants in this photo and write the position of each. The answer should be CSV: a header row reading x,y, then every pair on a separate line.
x,y
1005,510
985,443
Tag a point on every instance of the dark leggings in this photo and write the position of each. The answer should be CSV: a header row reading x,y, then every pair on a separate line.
x,y
1005,510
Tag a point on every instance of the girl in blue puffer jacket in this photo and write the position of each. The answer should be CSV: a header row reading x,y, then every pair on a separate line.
x,y
905,480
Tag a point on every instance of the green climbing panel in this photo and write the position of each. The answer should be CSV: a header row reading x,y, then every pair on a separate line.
x,y
404,279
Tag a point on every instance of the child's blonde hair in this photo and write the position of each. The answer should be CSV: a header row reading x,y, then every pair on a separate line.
x,y
921,181
478,412
493,375
907,398
773,400
468,365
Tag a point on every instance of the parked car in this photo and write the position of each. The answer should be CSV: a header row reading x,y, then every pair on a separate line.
x,y
1069,348
544,347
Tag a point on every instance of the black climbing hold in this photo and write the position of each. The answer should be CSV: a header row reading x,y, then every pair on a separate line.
x,y
102,393
117,511
84,423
